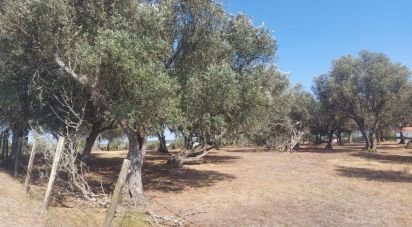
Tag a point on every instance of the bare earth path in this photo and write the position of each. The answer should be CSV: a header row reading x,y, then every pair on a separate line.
x,y
239,187
16,208
345,187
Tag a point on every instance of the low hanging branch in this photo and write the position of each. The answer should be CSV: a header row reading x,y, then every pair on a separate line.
x,y
82,79
296,134
70,167
192,156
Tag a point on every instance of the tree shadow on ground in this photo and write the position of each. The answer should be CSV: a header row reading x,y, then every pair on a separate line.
x,y
212,157
216,159
247,149
163,178
385,158
390,146
156,175
374,175
323,150
104,172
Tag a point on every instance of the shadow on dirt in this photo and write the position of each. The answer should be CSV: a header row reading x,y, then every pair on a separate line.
x,y
374,175
165,179
157,176
322,149
385,158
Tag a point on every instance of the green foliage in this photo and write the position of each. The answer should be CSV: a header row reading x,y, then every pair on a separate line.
x,y
368,86
366,89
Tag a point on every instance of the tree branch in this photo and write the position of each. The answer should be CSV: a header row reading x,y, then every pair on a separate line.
x,y
82,79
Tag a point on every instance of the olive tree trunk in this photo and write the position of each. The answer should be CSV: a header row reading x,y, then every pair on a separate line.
x,y
350,137
365,137
1,145
90,140
108,145
162,143
330,140
97,128
17,132
5,148
133,189
402,138
318,139
370,139
339,137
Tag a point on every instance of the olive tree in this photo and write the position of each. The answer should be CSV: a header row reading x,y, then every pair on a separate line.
x,y
365,88
332,118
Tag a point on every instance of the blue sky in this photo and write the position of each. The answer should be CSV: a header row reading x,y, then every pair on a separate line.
x,y
311,34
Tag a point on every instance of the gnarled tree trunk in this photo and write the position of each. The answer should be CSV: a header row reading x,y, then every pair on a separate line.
x,y
5,148
372,140
339,137
18,131
97,128
133,189
108,145
402,138
365,138
350,137
318,139
90,140
162,143
330,140
1,145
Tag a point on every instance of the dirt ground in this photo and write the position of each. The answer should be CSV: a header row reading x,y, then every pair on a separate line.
x,y
247,187
16,208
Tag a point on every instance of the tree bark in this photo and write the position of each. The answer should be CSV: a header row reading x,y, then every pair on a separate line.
x,y
18,132
339,138
193,156
402,137
108,145
330,140
381,134
6,145
162,143
19,150
318,139
133,189
90,140
372,141
1,145
365,138
189,141
350,137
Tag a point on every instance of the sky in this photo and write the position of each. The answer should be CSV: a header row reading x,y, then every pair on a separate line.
x,y
311,34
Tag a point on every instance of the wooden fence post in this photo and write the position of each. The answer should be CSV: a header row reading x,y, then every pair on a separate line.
x,y
53,173
30,168
20,147
116,193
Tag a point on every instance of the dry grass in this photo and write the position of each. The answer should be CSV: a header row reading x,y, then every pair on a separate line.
x,y
247,187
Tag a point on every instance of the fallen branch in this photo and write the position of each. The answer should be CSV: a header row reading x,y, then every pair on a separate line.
x,y
188,157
